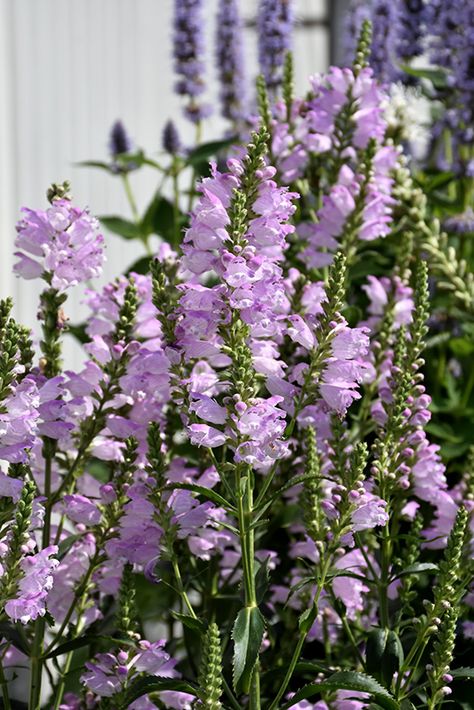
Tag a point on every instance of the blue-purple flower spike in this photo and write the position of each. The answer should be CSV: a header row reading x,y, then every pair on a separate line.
x,y
119,142
188,52
170,139
411,28
384,40
275,24
230,61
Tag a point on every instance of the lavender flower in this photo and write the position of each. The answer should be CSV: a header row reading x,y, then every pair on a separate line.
x,y
188,52
275,23
34,586
61,245
229,56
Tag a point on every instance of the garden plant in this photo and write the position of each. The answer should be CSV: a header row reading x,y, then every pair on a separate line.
x,y
257,491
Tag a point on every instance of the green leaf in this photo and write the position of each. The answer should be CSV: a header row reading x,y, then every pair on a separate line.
x,y
97,164
461,347
123,227
79,332
467,673
384,655
262,580
436,75
152,684
208,493
190,622
141,266
15,636
159,219
347,680
66,544
307,618
247,633
416,569
85,640
207,150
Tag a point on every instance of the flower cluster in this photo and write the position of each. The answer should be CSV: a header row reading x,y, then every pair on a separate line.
x,y
61,245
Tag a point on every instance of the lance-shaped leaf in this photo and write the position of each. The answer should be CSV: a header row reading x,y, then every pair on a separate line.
x,y
247,634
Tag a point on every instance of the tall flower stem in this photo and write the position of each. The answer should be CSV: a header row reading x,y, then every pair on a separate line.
x,y
302,637
244,492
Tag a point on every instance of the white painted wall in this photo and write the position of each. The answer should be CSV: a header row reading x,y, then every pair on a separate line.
x,y
68,69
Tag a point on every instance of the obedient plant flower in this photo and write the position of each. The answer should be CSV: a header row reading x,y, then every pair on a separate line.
x,y
230,60
274,24
62,245
188,53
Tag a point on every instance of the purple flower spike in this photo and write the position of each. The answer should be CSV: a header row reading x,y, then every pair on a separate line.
x,y
275,23
229,56
188,52
120,142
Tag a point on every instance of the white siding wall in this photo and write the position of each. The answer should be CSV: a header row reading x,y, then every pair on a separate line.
x,y
68,69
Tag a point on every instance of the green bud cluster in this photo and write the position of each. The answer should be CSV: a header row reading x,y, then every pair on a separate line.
x,y
409,557
442,657
10,341
127,314
263,103
59,191
210,675
156,468
288,84
312,494
53,323
412,220
364,43
127,616
18,537
165,296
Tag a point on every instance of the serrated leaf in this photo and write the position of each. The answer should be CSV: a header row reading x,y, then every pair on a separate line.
x,y
208,493
467,673
190,622
208,150
347,680
247,634
123,227
152,684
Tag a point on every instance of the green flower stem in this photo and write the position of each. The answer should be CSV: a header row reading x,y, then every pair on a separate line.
x,y
176,211
4,684
181,589
301,641
247,543
133,206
